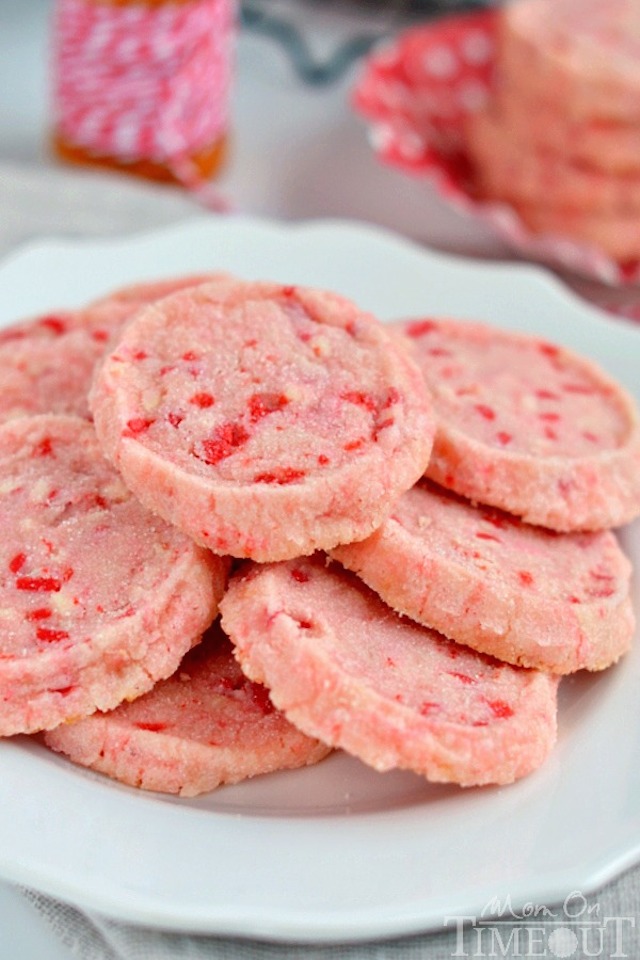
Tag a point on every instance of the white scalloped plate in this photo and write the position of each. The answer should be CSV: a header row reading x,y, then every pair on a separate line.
x,y
335,852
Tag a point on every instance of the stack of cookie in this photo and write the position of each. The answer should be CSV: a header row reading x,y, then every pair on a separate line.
x,y
560,139
416,520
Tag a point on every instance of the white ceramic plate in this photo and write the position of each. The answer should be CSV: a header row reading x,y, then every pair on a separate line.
x,y
336,852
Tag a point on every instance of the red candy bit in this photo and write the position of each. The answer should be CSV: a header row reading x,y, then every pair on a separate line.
x,y
496,520
136,426
151,726
525,577
299,575
17,562
39,584
428,707
597,575
550,434
351,328
323,460
281,475
189,355
260,698
353,444
600,593
546,395
591,437
41,613
361,399
54,323
549,417
262,404
500,709
288,292
462,677
439,352
100,336
202,400
481,535
504,438
548,349
379,427
226,439
44,448
140,355
393,396
418,328
485,411
51,636
175,419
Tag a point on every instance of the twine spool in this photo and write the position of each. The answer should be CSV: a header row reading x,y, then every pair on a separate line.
x,y
144,86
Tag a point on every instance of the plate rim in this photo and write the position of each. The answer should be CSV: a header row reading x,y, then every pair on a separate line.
x,y
291,926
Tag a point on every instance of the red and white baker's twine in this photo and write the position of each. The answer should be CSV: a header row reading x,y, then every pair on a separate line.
x,y
145,83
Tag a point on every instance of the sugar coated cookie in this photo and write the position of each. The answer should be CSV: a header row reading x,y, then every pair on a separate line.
x,y
559,602
344,668
47,363
98,598
204,726
584,54
511,168
618,234
264,421
528,426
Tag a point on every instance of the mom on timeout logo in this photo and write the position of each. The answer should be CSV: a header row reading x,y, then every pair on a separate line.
x,y
575,929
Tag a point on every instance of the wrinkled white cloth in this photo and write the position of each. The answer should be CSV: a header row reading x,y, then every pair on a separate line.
x,y
604,925
49,201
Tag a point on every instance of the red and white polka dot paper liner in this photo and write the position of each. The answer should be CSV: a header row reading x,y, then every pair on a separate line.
x,y
416,91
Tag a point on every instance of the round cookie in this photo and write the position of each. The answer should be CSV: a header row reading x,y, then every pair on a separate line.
x,y
608,146
558,602
510,168
582,54
204,726
47,363
264,421
528,426
98,598
346,669
617,235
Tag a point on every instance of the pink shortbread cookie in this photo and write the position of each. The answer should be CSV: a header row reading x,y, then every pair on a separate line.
x,y
555,601
583,54
617,235
46,364
528,426
509,169
98,598
346,669
204,726
541,126
265,421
